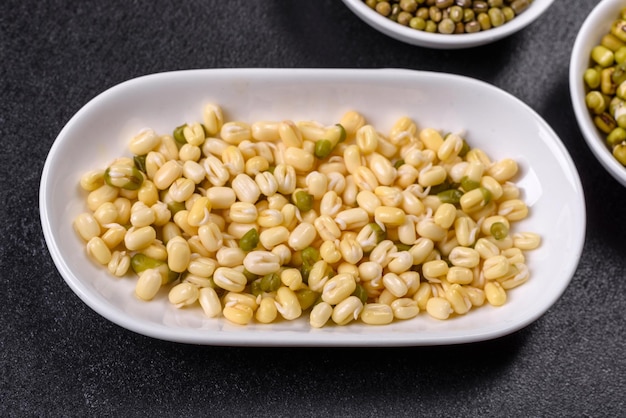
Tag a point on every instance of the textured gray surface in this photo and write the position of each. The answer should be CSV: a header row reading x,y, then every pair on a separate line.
x,y
57,357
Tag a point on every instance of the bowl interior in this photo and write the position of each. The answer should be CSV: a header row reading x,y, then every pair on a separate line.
x,y
100,131
597,24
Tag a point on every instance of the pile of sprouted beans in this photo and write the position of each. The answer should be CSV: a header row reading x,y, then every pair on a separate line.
x,y
274,220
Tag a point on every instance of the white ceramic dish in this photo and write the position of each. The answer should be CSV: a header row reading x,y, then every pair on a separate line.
x,y
597,24
441,41
100,130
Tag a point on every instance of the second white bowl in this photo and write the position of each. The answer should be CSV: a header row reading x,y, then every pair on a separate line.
x,y
443,41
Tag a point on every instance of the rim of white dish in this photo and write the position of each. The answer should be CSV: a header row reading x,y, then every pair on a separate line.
x,y
438,40
603,11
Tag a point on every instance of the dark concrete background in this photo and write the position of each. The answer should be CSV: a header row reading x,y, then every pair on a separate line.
x,y
59,358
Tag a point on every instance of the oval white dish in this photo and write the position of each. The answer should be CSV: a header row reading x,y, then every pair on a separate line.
x,y
495,121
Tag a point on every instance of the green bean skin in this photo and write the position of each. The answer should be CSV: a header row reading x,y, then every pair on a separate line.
x,y
499,230
307,298
323,148
179,137
270,282
250,240
124,177
303,201
140,262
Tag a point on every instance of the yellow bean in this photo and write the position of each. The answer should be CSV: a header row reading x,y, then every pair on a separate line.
x,y
261,262
353,218
183,294
459,275
230,256
439,308
377,314
202,266
420,251
210,302
432,176
267,312
213,118
181,219
394,284
389,215
102,194
265,131
98,250
119,263
87,226
235,132
495,294
193,171
106,213
290,134
287,304
148,284
291,278
216,172
435,268
245,188
92,180
367,139
503,170
189,152
422,295
431,139
347,310
495,267
365,179
381,254
464,257
167,174
229,279
400,262
338,288
404,308
114,235
178,254
450,147
238,313
526,240
320,314
329,252
141,215
139,238
302,236
445,215
389,196
459,302
513,210
382,169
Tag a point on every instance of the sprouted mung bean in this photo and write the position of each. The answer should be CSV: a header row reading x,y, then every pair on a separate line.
x,y
365,226
450,16
605,81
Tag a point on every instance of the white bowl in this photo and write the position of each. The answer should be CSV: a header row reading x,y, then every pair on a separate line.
x,y
495,121
444,41
597,24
